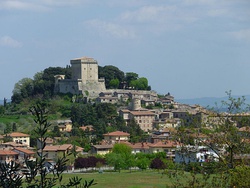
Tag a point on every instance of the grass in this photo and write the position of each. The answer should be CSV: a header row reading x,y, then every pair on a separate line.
x,y
139,179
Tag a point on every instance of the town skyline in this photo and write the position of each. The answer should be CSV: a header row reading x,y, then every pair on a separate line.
x,y
191,49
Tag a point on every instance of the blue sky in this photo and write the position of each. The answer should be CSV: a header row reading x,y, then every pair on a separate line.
x,y
190,48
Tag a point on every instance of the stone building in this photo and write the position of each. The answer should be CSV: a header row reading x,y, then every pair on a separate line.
x,y
84,79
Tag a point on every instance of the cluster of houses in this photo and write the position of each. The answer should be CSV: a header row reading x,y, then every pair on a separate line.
x,y
18,149
161,140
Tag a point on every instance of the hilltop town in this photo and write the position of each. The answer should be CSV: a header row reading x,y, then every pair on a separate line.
x,y
143,120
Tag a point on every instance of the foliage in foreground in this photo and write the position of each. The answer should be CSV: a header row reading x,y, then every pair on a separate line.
x,y
37,171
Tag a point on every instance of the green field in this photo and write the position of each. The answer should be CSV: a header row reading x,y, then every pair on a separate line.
x,y
145,179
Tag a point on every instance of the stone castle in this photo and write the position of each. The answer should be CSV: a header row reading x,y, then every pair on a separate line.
x,y
84,79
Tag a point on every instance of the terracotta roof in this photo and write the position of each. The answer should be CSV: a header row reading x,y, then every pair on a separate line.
x,y
14,144
139,145
7,152
25,151
125,110
63,147
117,133
138,113
18,134
103,146
164,144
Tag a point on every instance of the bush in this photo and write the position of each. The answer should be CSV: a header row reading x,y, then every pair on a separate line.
x,y
240,176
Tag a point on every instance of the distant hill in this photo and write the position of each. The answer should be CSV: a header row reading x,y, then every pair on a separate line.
x,y
209,101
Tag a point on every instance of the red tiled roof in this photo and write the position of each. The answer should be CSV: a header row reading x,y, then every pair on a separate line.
x,y
63,147
141,113
166,144
25,151
117,133
103,146
14,144
18,134
143,145
7,152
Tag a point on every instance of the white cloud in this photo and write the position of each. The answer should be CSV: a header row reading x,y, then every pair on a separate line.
x,y
22,5
112,29
243,34
64,2
159,19
10,42
149,14
37,5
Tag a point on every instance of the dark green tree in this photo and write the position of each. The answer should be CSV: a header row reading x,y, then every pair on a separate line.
x,y
114,83
110,72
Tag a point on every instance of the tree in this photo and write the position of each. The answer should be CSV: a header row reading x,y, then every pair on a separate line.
x,y
157,163
225,140
136,133
116,160
114,83
8,129
120,157
22,89
10,178
109,73
140,83
122,149
130,76
2,110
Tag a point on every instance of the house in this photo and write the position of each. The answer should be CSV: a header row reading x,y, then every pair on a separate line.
x,y
189,154
12,145
64,125
8,155
166,123
167,146
53,152
143,118
108,99
48,142
19,137
101,149
148,102
167,99
25,154
124,113
116,136
161,135
122,95
138,147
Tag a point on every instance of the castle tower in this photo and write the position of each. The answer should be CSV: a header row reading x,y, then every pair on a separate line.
x,y
84,69
136,104
84,79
